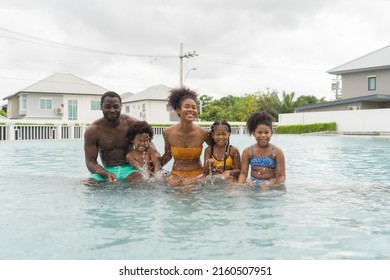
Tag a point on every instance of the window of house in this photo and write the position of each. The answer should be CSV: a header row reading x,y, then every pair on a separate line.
x,y
45,104
72,110
127,109
95,105
371,83
143,107
22,102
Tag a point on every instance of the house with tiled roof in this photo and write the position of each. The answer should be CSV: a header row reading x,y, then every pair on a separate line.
x,y
59,97
150,105
364,84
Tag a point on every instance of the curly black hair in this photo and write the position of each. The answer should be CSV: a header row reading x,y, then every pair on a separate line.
x,y
258,118
179,94
140,127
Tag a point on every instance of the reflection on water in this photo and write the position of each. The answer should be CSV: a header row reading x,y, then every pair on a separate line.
x,y
334,206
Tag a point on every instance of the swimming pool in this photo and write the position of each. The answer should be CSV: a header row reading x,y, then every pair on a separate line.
x,y
336,205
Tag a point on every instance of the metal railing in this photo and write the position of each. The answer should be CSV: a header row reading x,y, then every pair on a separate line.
x,y
16,131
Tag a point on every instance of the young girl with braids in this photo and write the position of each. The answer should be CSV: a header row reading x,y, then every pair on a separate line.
x,y
221,157
265,159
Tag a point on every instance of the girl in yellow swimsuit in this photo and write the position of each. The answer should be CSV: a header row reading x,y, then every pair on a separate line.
x,y
184,141
221,157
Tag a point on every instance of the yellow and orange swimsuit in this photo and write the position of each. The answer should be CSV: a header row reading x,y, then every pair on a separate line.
x,y
227,163
194,153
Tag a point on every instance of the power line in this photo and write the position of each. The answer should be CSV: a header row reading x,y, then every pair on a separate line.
x,y
230,62
49,43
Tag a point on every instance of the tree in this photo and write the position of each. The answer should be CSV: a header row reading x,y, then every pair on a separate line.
x,y
304,100
233,108
270,103
3,113
205,99
287,105
213,113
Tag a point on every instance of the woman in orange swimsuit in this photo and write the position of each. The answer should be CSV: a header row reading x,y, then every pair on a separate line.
x,y
221,157
184,141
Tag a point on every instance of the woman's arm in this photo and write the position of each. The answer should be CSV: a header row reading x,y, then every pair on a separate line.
x,y
167,156
207,136
207,161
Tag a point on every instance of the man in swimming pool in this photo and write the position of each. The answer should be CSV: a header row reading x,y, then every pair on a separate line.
x,y
107,137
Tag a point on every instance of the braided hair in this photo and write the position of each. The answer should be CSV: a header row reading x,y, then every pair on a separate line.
x,y
212,143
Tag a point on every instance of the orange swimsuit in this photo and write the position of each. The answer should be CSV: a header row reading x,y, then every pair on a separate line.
x,y
194,153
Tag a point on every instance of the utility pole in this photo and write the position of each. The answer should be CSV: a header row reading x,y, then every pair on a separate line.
x,y
184,55
336,87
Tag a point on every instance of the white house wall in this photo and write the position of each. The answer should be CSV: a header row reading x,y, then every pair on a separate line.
x,y
351,121
33,106
159,113
135,109
155,111
84,113
13,108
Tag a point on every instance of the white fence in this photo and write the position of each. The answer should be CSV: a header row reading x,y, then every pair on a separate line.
x,y
376,121
26,131
39,132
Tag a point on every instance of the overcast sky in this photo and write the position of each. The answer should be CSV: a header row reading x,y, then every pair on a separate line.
x,y
243,46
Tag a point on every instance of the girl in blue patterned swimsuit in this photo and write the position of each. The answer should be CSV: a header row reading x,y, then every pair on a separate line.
x,y
267,161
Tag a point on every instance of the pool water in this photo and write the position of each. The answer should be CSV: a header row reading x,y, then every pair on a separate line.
x,y
335,205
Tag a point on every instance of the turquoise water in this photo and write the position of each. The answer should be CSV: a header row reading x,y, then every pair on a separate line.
x,y
336,205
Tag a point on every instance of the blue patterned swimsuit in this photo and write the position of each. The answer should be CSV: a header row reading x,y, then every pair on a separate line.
x,y
267,162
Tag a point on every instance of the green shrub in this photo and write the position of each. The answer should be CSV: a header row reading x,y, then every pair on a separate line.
x,y
305,128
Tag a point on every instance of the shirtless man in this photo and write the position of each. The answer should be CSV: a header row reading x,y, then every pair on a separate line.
x,y
107,136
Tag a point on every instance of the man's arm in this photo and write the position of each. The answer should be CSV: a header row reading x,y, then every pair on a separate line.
x,y
91,152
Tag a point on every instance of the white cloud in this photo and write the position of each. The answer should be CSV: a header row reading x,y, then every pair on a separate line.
x,y
243,46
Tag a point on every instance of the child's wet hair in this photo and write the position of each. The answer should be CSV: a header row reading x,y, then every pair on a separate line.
x,y
140,127
258,118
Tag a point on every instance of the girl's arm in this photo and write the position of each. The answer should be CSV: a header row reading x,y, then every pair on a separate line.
x,y
236,162
244,166
132,159
280,167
